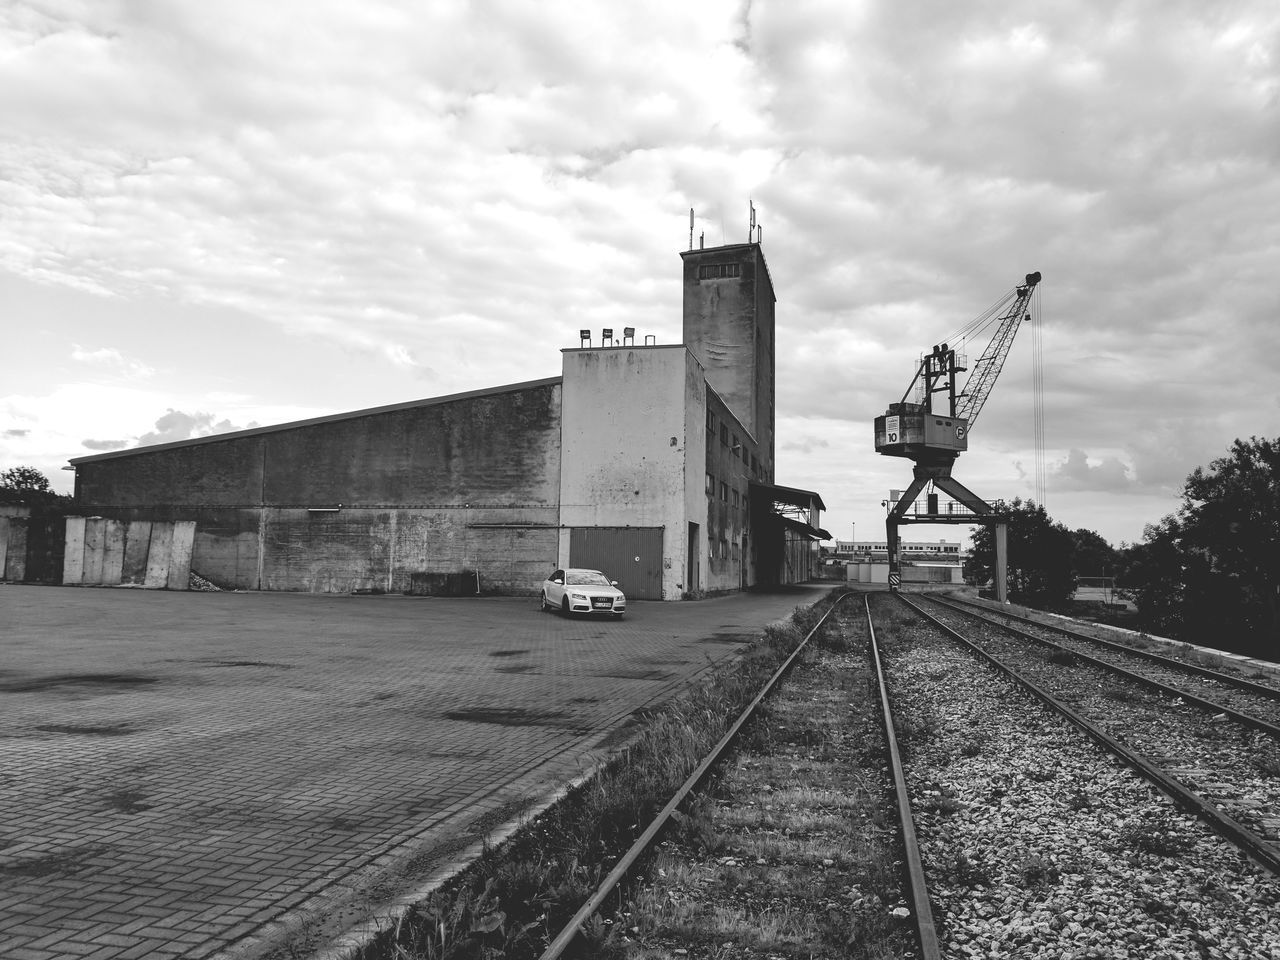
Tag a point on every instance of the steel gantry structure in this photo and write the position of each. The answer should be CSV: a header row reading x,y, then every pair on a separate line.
x,y
934,430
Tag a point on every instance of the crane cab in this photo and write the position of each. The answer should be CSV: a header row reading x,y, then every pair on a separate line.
x,y
909,430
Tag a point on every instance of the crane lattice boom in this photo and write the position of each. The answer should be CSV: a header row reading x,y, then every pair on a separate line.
x,y
985,371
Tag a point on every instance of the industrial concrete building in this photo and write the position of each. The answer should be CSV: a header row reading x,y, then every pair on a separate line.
x,y
654,463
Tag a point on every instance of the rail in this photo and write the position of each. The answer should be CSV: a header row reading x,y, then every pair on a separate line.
x,y
925,930
1242,683
642,843
1212,706
1244,838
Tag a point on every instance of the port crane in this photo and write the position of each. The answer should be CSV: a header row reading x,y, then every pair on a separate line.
x,y
934,429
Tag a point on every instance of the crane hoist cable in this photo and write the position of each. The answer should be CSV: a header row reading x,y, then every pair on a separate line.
x,y
1037,387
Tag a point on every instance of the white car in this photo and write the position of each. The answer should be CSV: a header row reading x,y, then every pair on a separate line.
x,y
582,591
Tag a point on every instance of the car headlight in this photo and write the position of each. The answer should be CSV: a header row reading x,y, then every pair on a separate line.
x,y
577,596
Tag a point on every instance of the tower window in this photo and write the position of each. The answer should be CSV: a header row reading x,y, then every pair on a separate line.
x,y
715,271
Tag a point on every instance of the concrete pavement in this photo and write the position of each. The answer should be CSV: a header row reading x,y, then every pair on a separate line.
x,y
191,775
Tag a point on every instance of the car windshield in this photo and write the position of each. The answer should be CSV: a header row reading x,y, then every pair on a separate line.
x,y
584,578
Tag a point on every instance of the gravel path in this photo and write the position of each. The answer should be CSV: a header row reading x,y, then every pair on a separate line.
x,y
1038,844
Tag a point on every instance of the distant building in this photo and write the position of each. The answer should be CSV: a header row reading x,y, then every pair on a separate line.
x,y
652,462
923,561
921,551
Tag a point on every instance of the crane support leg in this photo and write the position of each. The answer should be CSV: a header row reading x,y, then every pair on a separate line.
x,y
891,529
963,494
891,541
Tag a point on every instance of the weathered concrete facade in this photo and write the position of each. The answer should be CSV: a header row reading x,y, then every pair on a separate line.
x,y
391,499
624,438
643,461
729,326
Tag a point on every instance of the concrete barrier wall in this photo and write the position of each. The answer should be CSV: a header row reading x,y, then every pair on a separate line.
x,y
106,552
31,549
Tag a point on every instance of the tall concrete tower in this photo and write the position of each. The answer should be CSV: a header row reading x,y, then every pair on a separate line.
x,y
728,325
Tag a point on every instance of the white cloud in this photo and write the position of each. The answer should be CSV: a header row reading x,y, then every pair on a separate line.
x,y
1076,472
112,359
177,425
449,191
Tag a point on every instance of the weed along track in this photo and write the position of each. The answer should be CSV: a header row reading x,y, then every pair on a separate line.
x,y
793,849
753,818
1035,841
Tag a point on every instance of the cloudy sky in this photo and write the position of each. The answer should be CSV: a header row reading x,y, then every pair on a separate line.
x,y
219,215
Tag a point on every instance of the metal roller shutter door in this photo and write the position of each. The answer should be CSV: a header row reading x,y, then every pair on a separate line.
x,y
630,555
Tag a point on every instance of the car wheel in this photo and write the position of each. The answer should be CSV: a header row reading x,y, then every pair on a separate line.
x,y
543,606
564,606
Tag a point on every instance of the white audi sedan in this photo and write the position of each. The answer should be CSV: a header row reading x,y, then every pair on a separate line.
x,y
582,591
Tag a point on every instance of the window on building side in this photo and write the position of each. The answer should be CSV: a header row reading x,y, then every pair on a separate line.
x,y
711,485
724,491
724,435
716,271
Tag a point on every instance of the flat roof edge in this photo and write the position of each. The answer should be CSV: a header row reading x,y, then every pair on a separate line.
x,y
315,421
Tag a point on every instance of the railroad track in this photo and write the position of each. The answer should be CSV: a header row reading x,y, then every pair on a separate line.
x,y
1255,698
1220,762
1013,800
799,836
966,819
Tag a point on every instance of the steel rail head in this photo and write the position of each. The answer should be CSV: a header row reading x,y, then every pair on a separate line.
x,y
1262,851
1204,703
926,932
642,843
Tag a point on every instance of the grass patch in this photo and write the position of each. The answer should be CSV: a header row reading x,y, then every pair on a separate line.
x,y
1154,838
1268,763
1036,871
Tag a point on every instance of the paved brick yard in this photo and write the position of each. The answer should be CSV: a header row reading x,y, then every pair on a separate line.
x,y
184,775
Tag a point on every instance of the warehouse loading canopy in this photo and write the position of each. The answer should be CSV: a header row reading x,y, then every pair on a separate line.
x,y
795,509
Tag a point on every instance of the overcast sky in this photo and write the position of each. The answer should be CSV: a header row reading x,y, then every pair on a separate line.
x,y
220,215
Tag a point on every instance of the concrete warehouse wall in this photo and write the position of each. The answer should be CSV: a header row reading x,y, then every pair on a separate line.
x,y
625,441
399,498
726,498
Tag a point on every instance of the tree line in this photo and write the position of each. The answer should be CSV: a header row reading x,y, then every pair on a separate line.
x,y
1209,573
30,487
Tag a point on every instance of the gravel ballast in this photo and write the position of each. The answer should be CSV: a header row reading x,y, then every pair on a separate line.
x,y
1038,844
